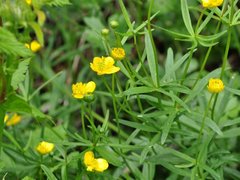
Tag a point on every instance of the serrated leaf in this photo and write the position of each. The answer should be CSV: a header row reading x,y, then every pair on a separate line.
x,y
19,75
11,46
58,2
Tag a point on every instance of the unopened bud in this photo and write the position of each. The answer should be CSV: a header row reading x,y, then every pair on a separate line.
x,y
114,24
105,32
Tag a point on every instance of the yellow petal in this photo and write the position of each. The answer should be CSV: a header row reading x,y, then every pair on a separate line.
x,y
88,158
101,165
15,119
6,118
35,46
90,87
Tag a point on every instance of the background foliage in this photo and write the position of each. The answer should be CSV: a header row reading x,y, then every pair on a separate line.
x,y
147,120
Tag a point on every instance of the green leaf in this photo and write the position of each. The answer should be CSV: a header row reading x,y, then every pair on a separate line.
x,y
48,172
168,66
19,75
125,15
170,72
15,103
204,23
38,31
234,132
58,2
167,127
234,91
186,17
140,126
202,84
138,90
108,154
11,46
151,58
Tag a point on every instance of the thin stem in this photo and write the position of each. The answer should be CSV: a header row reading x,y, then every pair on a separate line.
x,y
225,57
214,105
204,118
201,132
114,102
83,121
187,65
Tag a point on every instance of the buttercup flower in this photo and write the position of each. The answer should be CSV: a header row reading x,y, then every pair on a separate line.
x,y
45,147
15,119
93,164
80,90
34,46
118,53
215,85
211,3
29,2
104,65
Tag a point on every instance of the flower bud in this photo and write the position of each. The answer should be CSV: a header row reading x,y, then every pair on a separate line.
x,y
105,32
114,24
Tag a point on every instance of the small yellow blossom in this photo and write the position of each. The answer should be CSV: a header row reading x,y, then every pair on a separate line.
x,y
104,65
29,2
15,119
211,3
45,147
215,85
80,90
118,53
34,46
93,164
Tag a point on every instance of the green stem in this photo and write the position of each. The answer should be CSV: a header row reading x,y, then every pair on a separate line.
x,y
225,57
214,105
115,107
204,118
114,102
187,65
83,121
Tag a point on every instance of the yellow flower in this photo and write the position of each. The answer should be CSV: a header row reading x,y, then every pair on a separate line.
x,y
15,119
93,164
211,3
118,53
80,90
34,46
29,2
45,147
215,85
104,65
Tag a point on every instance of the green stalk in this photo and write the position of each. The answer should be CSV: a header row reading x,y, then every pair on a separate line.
x,y
83,121
206,56
187,66
204,118
200,134
225,57
114,102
